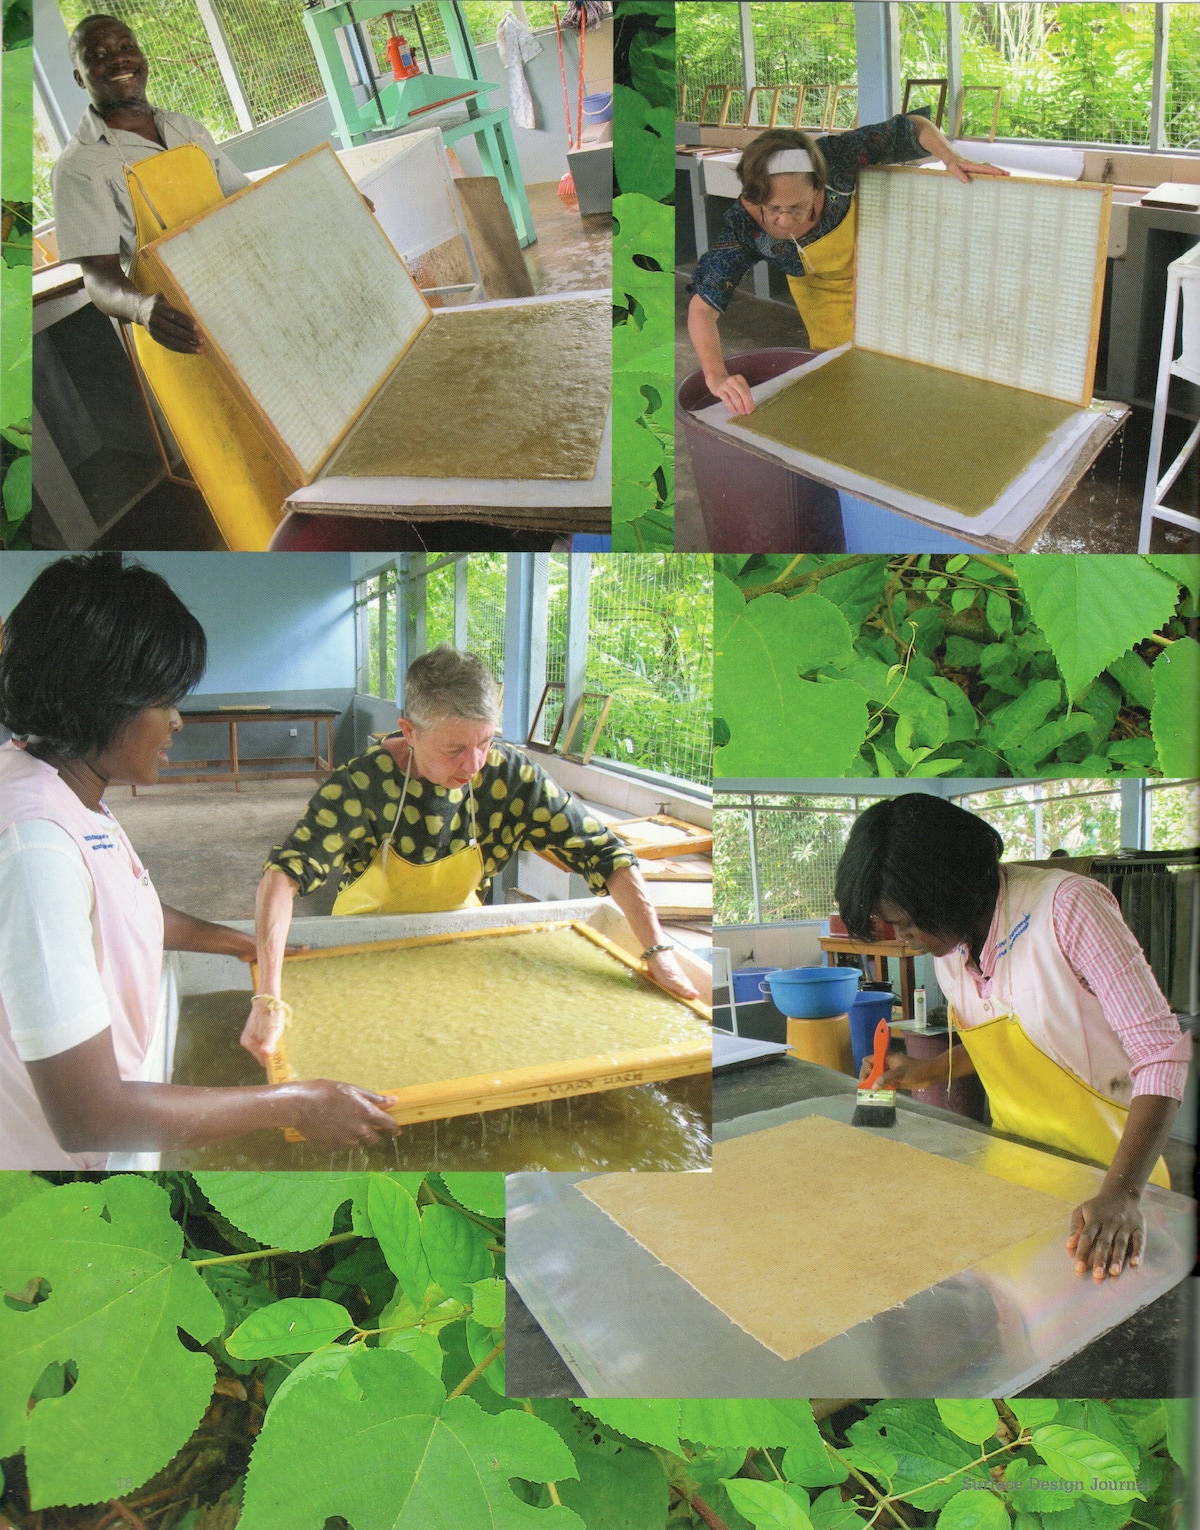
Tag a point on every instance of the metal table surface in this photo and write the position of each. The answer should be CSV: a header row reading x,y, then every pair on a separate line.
x,y
631,1327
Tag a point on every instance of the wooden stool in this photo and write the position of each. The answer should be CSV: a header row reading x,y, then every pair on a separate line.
x,y
826,1042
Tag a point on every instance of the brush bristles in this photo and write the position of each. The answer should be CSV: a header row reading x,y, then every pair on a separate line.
x,y
876,1107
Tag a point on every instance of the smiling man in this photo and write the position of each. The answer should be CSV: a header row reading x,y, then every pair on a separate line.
x,y
93,208
422,822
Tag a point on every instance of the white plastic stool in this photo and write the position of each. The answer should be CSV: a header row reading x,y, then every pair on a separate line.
x,y
1183,286
722,976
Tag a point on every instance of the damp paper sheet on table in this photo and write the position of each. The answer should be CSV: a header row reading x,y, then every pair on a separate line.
x,y
803,1231
960,452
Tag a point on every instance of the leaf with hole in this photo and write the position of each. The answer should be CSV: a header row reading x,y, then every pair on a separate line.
x,y
120,1295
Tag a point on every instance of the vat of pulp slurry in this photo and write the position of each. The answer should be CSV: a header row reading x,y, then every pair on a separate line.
x,y
750,503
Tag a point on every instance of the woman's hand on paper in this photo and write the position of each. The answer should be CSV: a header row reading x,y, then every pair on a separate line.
x,y
963,169
1106,1233
734,392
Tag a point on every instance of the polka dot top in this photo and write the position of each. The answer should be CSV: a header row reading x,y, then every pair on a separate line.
x,y
516,805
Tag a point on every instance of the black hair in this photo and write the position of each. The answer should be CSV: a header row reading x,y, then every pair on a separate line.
x,y
92,643
75,40
937,862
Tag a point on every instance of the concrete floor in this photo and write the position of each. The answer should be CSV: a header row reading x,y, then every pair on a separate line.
x,y
1102,515
572,253
204,844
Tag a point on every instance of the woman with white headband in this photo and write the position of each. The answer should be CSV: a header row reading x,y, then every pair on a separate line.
x,y
797,212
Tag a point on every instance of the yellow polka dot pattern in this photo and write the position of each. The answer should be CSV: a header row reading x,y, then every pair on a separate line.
x,y
351,813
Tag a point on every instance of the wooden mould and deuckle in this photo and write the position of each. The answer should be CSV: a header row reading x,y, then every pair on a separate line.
x,y
486,1019
964,400
371,402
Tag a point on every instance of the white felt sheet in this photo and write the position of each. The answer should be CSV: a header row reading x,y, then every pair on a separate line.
x,y
1013,513
996,279
298,286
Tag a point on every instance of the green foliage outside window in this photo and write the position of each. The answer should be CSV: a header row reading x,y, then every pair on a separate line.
x,y
16,272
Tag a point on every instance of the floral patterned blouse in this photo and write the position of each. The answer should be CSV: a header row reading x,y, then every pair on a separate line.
x,y
516,806
741,241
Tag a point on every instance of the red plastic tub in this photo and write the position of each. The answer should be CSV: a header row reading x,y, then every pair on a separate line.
x,y
749,503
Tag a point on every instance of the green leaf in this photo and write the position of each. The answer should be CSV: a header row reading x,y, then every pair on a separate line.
x,y
1179,1431
780,725
653,1421
456,1250
396,1223
1145,1418
487,1301
1132,674
652,66
294,1326
1094,609
292,1211
1138,755
962,653
999,613
765,1505
483,1193
1175,720
119,1296
1032,1411
970,1420
1185,567
957,563
419,1345
16,171
18,489
1009,727
481,1342
399,1457
16,325
922,1450
829,1512
751,1422
620,1487
644,137
811,1465
973,1509
17,1187
330,1361
1076,1454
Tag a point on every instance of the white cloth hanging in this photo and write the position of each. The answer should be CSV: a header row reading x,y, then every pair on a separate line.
x,y
517,46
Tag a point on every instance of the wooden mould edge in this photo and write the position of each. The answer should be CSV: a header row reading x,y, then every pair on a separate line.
x,y
1086,393
229,374
517,1086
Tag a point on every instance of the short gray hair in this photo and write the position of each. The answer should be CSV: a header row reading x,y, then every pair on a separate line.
x,y
446,682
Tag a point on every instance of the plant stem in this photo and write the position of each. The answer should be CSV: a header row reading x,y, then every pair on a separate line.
x,y
269,1253
710,1516
472,1377
782,585
881,1500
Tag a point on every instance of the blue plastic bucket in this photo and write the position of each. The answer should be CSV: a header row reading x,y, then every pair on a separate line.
x,y
866,1012
813,993
747,984
598,108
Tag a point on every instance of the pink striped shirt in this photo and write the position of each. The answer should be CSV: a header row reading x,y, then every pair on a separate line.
x,y
1103,954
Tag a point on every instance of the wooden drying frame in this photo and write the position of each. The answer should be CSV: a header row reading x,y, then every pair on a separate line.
x,y
726,97
943,86
693,840
962,101
228,373
517,1086
773,91
576,719
1085,401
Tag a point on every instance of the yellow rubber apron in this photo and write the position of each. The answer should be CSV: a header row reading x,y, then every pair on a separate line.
x,y
243,486
1034,1097
825,295
392,885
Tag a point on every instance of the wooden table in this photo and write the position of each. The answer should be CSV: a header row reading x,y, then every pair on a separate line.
x,y
844,945
233,767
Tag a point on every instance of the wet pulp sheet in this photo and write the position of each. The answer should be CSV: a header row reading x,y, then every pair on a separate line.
x,y
390,1019
518,391
803,1231
956,440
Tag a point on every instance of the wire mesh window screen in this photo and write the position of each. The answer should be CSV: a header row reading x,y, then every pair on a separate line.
x,y
1069,71
483,17
556,641
1035,820
1172,815
375,608
271,51
486,590
708,51
1181,114
439,605
809,45
43,161
650,648
789,845
184,76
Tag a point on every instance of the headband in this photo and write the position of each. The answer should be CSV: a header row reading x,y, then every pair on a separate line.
x,y
790,162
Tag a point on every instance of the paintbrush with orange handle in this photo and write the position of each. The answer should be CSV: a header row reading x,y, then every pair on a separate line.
x,y
876,1107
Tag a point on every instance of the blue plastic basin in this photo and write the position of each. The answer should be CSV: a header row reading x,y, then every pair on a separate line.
x,y
867,1010
813,993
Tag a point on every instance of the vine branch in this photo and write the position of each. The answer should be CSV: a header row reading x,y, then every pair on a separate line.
x,y
269,1253
472,1377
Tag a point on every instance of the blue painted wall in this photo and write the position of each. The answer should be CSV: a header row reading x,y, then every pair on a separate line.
x,y
275,621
